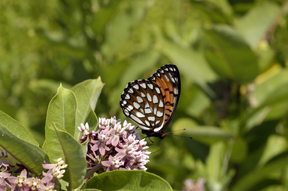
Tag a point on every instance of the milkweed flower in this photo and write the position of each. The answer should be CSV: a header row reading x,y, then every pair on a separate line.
x,y
115,146
191,186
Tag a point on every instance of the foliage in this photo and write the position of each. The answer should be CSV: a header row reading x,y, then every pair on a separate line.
x,y
232,57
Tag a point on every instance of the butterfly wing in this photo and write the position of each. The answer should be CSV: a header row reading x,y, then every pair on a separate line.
x,y
168,79
151,103
143,103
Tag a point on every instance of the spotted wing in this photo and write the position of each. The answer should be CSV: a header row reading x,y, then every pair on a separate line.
x,y
142,102
168,79
151,103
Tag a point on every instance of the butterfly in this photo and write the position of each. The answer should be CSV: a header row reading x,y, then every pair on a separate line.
x,y
150,103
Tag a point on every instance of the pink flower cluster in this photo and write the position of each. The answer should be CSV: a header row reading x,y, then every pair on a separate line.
x,y
114,146
26,183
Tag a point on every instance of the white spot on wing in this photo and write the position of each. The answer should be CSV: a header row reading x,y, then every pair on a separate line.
x,y
141,115
126,112
127,96
139,99
157,90
150,86
151,118
171,77
136,105
161,103
131,90
143,85
149,97
142,94
136,86
166,78
158,129
176,91
159,114
147,123
136,119
155,99
130,107
147,109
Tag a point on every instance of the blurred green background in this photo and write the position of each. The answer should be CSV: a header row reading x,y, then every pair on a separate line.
x,y
232,56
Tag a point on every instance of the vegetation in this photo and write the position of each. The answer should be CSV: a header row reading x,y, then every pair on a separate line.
x,y
232,57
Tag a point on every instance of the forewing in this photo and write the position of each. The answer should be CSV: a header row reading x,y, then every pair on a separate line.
x,y
143,103
168,79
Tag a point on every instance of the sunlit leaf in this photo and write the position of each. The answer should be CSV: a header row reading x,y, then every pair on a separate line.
x,y
254,25
87,94
128,180
229,55
18,142
61,110
74,157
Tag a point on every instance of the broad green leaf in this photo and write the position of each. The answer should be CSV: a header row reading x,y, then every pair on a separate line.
x,y
274,146
191,64
87,94
128,180
61,110
229,55
205,134
74,157
254,25
26,153
269,87
254,177
16,128
214,166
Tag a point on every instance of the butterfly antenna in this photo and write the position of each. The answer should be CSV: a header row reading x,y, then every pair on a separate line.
x,y
180,136
170,133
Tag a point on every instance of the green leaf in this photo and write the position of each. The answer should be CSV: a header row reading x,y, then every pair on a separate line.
x,y
16,128
239,150
229,55
215,165
269,88
205,134
87,94
18,142
274,146
255,176
74,157
191,64
61,110
128,180
254,25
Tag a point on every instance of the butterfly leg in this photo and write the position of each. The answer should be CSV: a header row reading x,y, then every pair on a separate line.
x,y
152,142
159,149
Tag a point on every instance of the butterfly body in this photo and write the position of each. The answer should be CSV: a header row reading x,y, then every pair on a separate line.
x,y
150,103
